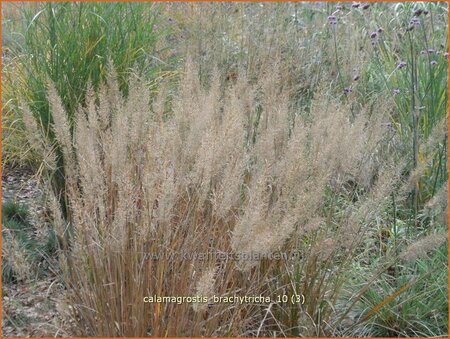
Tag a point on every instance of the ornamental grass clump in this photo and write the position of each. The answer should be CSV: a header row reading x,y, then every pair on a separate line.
x,y
196,200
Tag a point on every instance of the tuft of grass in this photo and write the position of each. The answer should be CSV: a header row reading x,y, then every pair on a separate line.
x,y
13,211
71,45
409,304
226,172
22,251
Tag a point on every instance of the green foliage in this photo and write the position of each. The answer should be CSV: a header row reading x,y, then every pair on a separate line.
x,y
409,301
419,89
51,244
16,224
71,44
7,272
14,212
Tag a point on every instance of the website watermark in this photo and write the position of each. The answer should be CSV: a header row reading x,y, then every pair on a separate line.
x,y
221,256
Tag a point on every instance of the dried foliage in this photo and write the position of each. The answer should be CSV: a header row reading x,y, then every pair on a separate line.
x,y
231,171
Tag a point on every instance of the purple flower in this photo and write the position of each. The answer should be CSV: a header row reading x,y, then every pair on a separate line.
x,y
415,22
429,51
380,30
356,5
388,125
339,7
356,77
365,6
417,12
373,35
433,62
446,55
332,19
401,64
396,91
347,90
